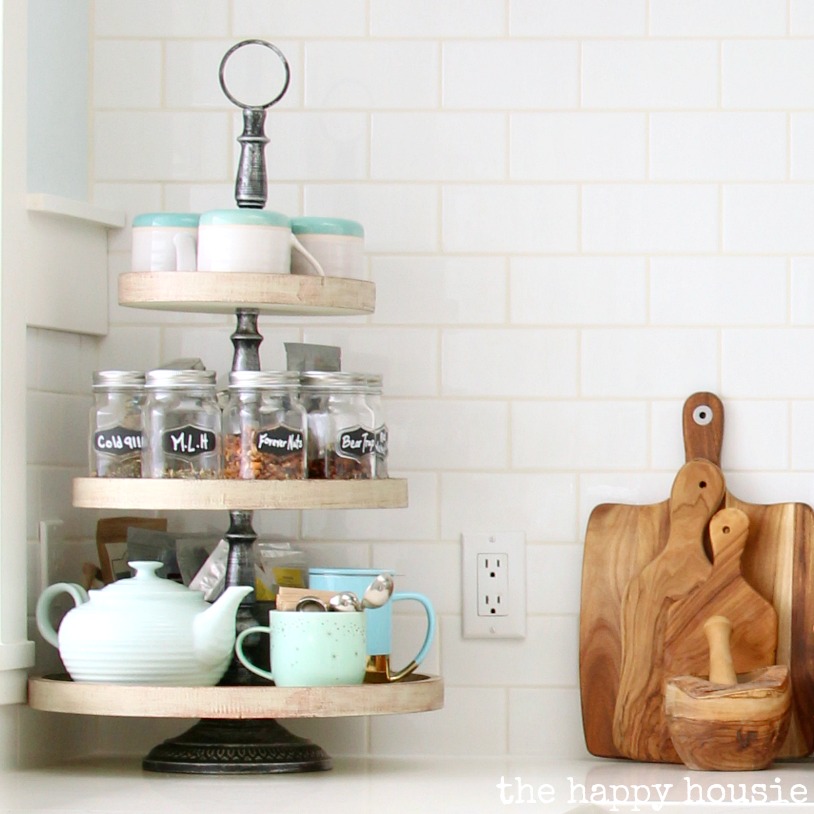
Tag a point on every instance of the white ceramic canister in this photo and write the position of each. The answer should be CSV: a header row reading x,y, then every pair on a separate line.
x,y
337,244
164,241
249,240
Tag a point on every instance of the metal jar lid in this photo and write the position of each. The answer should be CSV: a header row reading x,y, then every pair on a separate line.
x,y
333,381
118,380
158,379
263,379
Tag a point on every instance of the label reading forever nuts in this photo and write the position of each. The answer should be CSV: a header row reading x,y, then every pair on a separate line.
x,y
280,441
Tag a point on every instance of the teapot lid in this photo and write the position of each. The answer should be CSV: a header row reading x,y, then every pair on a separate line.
x,y
146,584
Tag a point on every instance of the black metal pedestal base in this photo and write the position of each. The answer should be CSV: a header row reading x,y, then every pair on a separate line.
x,y
255,746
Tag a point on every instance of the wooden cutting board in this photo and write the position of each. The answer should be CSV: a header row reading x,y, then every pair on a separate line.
x,y
753,620
622,538
639,724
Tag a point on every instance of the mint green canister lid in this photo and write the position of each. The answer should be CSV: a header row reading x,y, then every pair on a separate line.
x,y
186,220
311,225
245,217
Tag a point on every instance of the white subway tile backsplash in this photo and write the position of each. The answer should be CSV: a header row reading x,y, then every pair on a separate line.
x,y
428,18
802,146
510,363
448,434
510,75
510,219
158,146
541,723
718,146
293,18
553,578
724,18
397,218
578,290
801,13
802,291
768,218
641,218
718,291
139,61
439,290
517,662
254,74
329,146
407,358
802,435
767,362
543,506
767,74
438,146
161,18
654,74
577,18
371,75
578,146
648,363
567,435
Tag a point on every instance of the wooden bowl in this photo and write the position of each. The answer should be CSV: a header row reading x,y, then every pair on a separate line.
x,y
725,727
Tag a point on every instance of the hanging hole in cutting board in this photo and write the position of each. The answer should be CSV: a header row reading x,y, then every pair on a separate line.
x,y
702,415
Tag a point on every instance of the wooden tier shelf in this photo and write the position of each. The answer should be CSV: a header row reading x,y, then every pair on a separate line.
x,y
238,495
416,693
226,292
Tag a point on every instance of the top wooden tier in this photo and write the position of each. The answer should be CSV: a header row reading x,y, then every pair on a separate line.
x,y
226,292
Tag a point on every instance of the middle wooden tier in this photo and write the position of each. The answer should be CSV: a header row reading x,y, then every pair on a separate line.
x,y
235,495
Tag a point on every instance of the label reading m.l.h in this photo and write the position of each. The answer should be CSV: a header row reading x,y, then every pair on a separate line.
x,y
189,441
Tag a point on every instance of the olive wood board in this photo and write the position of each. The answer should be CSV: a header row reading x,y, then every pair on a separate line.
x,y
225,292
236,495
416,693
621,539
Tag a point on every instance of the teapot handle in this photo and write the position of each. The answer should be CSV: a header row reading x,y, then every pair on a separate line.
x,y
76,592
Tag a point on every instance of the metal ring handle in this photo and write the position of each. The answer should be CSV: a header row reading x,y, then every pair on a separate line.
x,y
222,69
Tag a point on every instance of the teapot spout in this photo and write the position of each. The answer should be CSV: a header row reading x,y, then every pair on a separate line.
x,y
213,630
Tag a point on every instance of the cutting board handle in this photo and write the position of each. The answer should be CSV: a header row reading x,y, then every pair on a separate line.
x,y
703,424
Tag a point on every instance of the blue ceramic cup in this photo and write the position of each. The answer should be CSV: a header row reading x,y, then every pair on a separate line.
x,y
379,620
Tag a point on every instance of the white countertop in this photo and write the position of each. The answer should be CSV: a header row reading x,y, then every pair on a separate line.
x,y
396,785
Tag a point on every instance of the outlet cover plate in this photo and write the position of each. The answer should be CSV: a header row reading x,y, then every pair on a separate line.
x,y
512,623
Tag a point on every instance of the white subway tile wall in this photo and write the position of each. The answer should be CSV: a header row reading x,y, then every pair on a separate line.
x,y
577,214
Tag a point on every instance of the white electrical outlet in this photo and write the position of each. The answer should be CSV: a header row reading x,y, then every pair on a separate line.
x,y
494,585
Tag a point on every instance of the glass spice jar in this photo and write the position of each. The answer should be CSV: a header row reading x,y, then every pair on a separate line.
x,y
341,441
373,396
264,427
182,425
115,424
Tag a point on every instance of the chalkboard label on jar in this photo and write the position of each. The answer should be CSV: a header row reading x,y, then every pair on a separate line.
x,y
381,441
280,441
189,441
356,442
117,441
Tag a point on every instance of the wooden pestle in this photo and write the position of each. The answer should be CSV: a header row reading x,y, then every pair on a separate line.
x,y
718,630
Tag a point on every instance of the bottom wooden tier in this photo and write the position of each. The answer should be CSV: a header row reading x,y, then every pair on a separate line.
x,y
416,693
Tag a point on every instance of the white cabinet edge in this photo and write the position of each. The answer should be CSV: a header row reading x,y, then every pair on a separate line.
x,y
70,208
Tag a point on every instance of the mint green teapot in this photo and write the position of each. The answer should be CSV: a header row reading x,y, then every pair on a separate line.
x,y
143,630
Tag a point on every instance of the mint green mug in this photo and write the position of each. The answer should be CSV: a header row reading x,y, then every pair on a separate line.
x,y
311,649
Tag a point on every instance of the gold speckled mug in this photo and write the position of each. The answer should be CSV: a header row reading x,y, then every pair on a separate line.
x,y
311,649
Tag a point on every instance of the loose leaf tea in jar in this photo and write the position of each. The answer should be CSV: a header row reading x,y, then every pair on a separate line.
x,y
115,424
341,436
182,425
264,427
